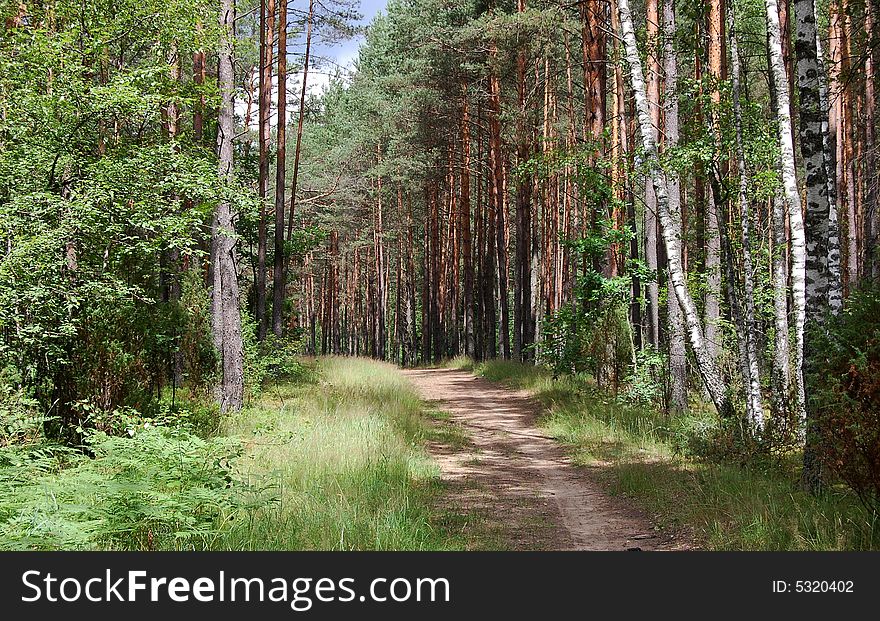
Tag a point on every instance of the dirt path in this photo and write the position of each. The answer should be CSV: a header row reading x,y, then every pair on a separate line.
x,y
519,478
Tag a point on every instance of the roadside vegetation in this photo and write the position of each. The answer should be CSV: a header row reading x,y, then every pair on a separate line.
x,y
337,463
329,455
679,470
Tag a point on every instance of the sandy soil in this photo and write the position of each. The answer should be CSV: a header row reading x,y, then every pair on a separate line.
x,y
531,495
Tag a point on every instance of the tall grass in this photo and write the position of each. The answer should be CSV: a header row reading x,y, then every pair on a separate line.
x,y
728,506
342,463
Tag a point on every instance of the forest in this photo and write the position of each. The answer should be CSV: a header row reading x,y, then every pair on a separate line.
x,y
221,246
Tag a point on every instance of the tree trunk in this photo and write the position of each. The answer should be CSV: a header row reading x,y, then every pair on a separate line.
x,y
712,311
813,145
497,171
653,92
835,284
677,348
749,329
225,317
846,140
279,280
379,252
465,225
872,215
522,298
302,113
792,198
668,220
267,34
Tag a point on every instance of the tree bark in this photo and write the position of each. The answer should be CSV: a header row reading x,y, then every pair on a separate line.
x,y
465,224
225,315
792,198
267,34
522,298
279,278
653,93
302,113
835,284
712,310
668,220
675,319
872,214
749,329
497,172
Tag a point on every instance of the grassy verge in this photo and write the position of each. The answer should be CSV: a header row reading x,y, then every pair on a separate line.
x,y
342,460
728,507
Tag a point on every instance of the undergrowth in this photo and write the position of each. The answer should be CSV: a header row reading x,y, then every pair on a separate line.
x,y
338,464
661,463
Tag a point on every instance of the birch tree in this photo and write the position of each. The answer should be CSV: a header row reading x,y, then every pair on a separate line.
x,y
754,403
677,347
670,222
792,199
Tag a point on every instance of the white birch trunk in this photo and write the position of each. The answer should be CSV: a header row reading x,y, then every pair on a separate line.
x,y
835,284
792,200
669,222
754,404
677,347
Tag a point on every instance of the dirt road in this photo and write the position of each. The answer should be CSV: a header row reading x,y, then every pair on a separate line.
x,y
519,478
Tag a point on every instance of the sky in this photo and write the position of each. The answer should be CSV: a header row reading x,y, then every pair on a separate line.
x,y
341,54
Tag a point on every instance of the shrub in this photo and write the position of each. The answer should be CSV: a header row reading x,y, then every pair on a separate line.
x,y
274,359
844,377
20,418
160,488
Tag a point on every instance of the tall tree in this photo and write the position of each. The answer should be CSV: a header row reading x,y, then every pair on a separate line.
x,y
668,220
747,325
225,314
267,35
302,114
676,337
653,92
279,277
712,310
792,199
522,258
814,143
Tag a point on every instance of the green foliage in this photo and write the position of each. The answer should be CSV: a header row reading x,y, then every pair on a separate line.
x,y
160,488
343,463
645,385
844,377
591,334
101,209
20,419
659,462
273,360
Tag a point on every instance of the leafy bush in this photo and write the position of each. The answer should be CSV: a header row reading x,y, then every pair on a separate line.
x,y
20,420
275,359
844,378
645,384
707,438
161,488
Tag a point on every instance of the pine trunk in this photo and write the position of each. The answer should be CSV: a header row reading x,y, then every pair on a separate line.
x,y
226,320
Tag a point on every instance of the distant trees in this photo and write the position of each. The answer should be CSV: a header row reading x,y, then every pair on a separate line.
x,y
516,156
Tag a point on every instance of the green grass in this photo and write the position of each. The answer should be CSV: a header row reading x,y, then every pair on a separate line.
x,y
727,506
343,460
